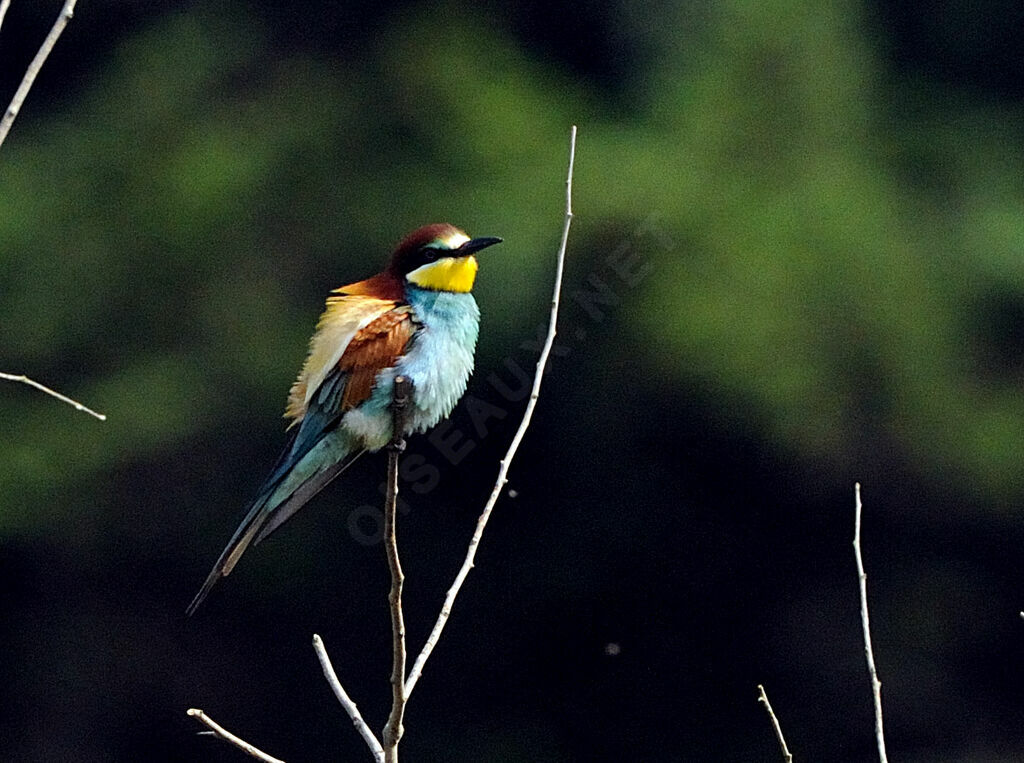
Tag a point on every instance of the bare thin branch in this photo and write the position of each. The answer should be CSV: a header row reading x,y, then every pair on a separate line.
x,y
227,736
33,68
393,728
763,699
481,523
3,10
73,403
876,685
346,701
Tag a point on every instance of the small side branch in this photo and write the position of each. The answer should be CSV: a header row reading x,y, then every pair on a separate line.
x,y
227,736
346,701
763,699
393,728
481,523
4,5
876,685
33,68
52,393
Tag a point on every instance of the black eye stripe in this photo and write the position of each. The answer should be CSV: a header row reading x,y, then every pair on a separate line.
x,y
425,254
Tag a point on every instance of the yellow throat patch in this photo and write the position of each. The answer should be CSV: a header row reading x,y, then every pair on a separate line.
x,y
447,274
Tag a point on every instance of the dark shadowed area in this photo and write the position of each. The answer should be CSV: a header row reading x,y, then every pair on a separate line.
x,y
797,262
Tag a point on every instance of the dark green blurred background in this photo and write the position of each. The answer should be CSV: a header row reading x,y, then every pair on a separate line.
x,y
796,263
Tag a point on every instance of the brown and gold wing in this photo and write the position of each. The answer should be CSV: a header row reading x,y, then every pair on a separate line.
x,y
345,317
376,346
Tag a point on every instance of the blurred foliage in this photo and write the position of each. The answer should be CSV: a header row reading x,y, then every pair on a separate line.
x,y
827,210
845,261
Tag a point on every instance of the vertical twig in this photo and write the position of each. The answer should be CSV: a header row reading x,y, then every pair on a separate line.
x,y
763,699
481,523
393,728
3,10
876,685
227,736
33,68
42,388
346,701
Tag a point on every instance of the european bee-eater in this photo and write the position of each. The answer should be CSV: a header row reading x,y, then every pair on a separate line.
x,y
416,319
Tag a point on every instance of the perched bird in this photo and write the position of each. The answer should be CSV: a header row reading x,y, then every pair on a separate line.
x,y
416,319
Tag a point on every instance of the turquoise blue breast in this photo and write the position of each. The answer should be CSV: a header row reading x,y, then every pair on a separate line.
x,y
439,361
440,358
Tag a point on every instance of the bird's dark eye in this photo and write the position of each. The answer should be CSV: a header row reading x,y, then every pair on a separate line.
x,y
430,254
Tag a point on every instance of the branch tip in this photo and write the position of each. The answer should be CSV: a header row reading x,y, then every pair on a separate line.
x,y
876,685
219,731
763,699
23,379
485,514
346,702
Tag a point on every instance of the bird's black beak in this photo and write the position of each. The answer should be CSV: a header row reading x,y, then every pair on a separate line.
x,y
476,244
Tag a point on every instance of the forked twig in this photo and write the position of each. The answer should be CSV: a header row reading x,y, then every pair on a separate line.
x,y
401,686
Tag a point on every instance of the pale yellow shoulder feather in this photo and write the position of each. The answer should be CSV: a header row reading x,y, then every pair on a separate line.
x,y
345,315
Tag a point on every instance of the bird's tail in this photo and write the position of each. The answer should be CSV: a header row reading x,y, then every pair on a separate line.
x,y
265,515
254,520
